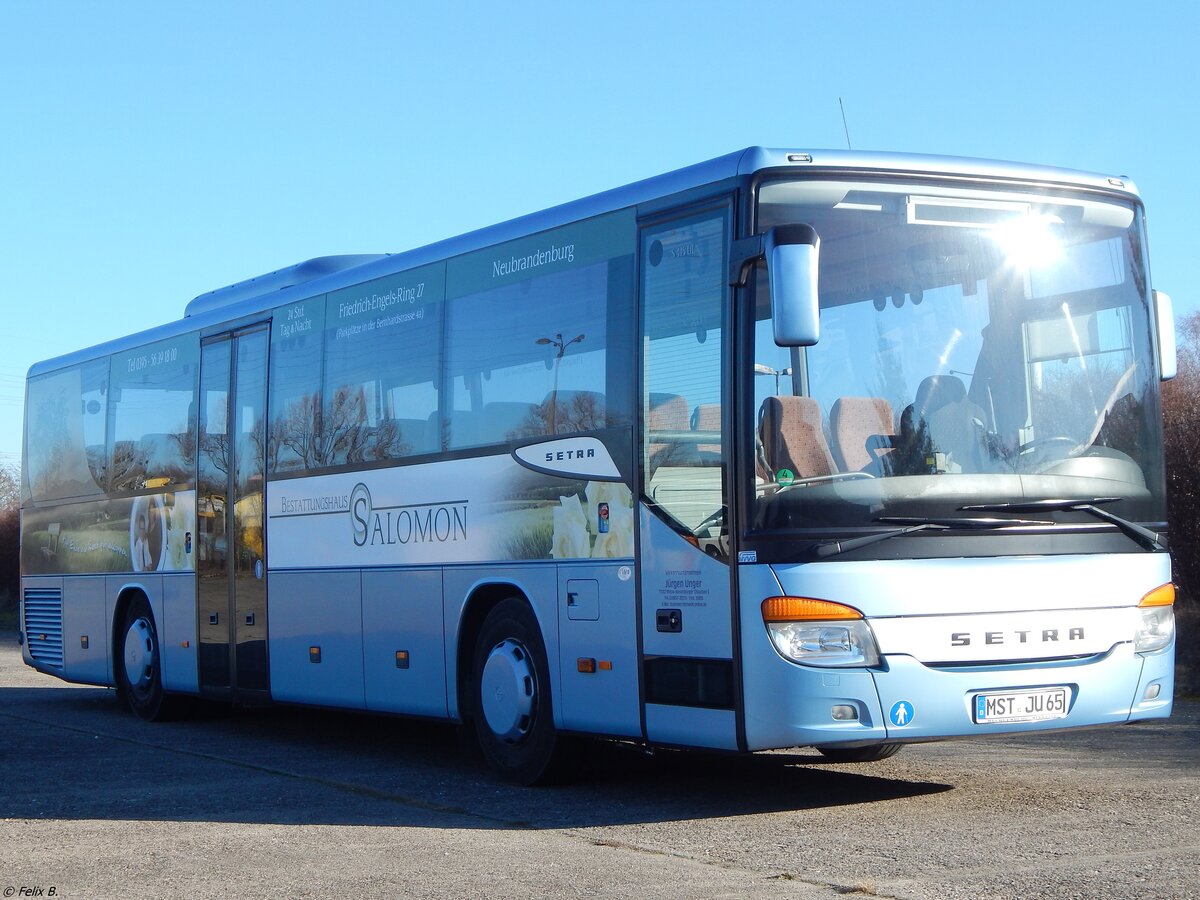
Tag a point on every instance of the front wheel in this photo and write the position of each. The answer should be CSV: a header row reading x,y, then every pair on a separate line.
x,y
139,663
514,722
870,753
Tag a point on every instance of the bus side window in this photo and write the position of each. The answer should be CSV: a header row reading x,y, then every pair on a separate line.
x,y
295,383
65,454
151,398
529,358
381,368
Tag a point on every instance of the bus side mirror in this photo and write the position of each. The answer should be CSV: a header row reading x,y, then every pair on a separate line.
x,y
792,253
1164,314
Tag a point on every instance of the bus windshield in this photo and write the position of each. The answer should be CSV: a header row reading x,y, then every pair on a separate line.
x,y
977,347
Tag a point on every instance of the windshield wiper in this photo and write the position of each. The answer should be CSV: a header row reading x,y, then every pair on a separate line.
x,y
953,522
1143,537
825,549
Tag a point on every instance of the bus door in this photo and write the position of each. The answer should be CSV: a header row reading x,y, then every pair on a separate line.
x,y
231,564
689,683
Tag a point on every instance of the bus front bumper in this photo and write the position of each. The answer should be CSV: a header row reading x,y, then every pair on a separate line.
x,y
905,700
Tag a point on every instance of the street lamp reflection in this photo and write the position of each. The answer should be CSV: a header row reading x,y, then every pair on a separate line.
x,y
560,347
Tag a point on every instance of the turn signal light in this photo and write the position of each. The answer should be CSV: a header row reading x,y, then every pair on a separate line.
x,y
1160,596
805,609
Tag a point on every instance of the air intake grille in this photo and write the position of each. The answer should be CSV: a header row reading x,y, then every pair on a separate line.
x,y
44,626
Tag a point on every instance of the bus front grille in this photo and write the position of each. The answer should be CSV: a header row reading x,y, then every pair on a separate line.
x,y
44,626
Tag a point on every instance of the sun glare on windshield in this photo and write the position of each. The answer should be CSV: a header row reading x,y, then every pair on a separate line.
x,y
1030,242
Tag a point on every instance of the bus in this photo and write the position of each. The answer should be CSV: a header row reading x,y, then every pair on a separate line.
x,y
784,449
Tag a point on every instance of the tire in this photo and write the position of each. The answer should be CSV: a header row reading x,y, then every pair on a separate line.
x,y
511,706
870,753
139,663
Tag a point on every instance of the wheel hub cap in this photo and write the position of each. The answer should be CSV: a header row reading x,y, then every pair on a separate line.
x,y
508,688
139,655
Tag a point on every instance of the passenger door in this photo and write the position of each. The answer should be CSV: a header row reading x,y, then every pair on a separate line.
x,y
231,562
688,668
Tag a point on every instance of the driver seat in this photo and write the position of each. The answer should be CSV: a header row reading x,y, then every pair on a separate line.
x,y
955,425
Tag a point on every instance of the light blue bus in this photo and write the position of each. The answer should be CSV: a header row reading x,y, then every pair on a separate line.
x,y
788,448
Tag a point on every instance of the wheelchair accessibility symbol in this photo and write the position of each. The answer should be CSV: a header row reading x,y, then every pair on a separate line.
x,y
902,713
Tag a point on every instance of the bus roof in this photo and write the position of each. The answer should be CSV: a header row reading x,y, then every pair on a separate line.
x,y
262,293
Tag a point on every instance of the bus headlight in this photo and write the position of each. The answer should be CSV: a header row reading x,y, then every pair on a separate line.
x,y
819,633
1156,622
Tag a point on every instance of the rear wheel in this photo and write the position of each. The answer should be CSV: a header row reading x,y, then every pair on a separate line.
x,y
139,663
514,722
870,753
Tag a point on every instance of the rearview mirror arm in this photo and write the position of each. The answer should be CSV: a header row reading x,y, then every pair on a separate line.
x,y
742,257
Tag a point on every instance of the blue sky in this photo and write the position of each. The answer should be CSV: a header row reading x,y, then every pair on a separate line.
x,y
154,151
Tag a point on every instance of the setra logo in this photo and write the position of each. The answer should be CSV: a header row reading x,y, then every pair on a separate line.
x,y
1018,636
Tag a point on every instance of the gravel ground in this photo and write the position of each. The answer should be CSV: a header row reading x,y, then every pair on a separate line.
x,y
281,802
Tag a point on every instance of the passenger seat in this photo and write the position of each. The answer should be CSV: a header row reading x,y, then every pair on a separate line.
x,y
793,438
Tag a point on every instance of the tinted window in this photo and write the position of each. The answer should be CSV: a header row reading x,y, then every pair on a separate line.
x,y
296,386
544,347
64,433
382,343
151,411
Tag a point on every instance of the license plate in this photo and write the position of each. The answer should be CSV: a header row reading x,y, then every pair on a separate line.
x,y
1021,706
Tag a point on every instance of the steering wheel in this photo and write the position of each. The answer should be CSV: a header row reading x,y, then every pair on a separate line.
x,y
1042,443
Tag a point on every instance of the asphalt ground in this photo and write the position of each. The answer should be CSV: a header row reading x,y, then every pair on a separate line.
x,y
298,803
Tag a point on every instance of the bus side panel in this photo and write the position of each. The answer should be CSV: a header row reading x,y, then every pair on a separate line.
x,y
537,582
597,624
404,658
85,631
316,638
177,634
